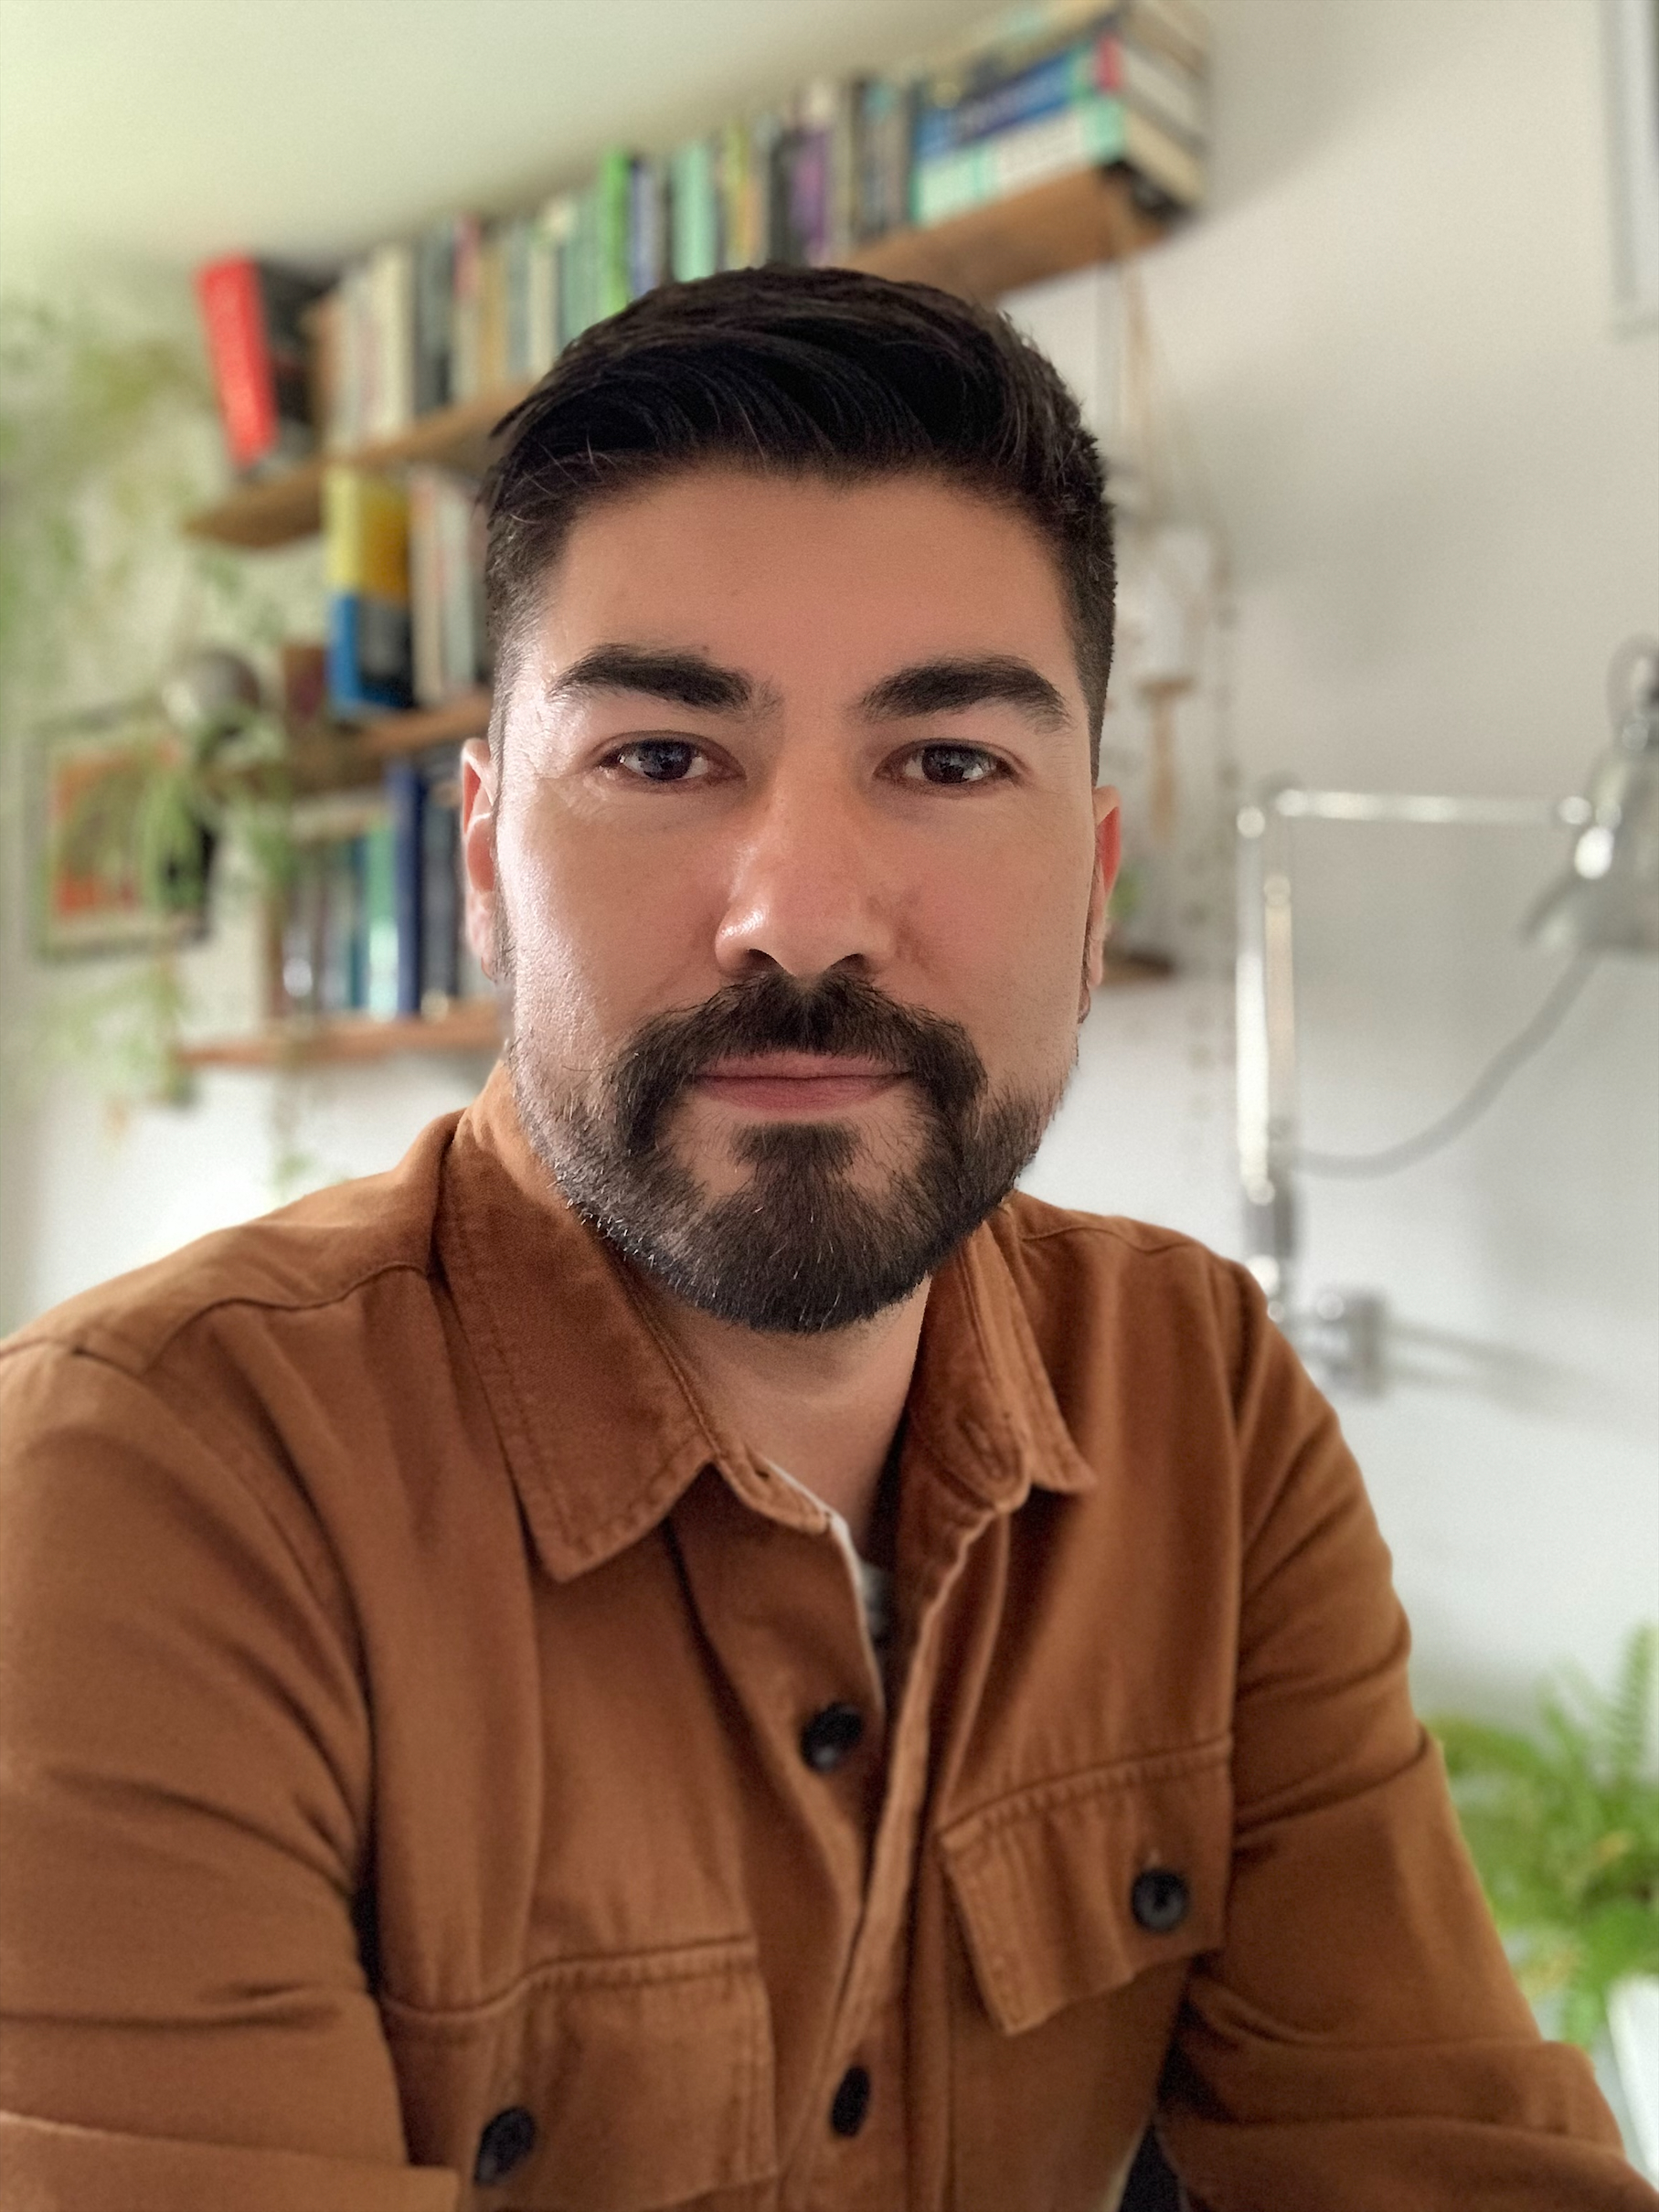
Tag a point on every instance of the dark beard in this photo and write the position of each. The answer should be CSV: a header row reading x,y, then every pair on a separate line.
x,y
799,1249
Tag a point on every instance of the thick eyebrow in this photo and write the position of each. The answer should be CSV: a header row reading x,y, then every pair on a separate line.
x,y
685,679
945,686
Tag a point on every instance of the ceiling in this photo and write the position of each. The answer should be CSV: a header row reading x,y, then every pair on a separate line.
x,y
166,131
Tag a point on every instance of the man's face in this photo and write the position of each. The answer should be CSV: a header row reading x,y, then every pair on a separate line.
x,y
793,865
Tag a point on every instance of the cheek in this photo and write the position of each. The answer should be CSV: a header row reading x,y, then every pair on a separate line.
x,y
600,941
1007,942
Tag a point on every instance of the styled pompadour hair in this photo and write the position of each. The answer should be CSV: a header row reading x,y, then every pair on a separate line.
x,y
822,372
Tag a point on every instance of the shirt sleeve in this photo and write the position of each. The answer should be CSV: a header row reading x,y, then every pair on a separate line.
x,y
1359,2040
185,2019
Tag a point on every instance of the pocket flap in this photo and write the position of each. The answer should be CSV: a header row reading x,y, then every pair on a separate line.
x,y
1049,1886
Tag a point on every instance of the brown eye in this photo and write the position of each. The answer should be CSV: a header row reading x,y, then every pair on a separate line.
x,y
952,764
661,761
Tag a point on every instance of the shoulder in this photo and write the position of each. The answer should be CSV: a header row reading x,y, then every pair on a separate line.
x,y
1062,1251
1130,1297
312,1254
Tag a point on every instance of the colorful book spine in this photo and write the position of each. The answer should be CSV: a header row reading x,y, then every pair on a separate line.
x,y
695,211
365,559
1090,132
444,590
613,214
380,952
405,794
648,219
883,156
252,314
466,310
441,904
1103,64
391,297
435,316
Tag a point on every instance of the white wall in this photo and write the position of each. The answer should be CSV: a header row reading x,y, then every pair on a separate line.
x,y
1439,473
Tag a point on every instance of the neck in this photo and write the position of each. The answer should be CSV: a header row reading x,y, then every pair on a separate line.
x,y
824,1408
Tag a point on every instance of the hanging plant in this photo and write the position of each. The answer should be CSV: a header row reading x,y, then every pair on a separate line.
x,y
106,444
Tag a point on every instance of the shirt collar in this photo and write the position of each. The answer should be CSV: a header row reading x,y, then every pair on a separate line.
x,y
604,1429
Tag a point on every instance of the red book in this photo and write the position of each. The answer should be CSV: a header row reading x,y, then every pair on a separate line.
x,y
251,314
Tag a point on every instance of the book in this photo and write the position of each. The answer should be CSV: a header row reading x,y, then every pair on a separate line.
x,y
366,563
405,801
613,213
253,316
467,309
1090,132
441,899
435,335
444,590
379,923
492,365
694,242
742,242
648,219
1030,31
389,403
883,156
339,982
1104,63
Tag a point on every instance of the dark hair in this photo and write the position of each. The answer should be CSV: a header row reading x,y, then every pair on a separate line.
x,y
811,371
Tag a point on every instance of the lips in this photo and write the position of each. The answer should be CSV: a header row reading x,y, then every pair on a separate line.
x,y
797,1082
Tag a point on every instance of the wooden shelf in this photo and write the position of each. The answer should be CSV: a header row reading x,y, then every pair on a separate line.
x,y
390,736
1093,215
280,508
352,756
472,1026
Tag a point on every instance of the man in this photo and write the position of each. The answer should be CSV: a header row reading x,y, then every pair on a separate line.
x,y
683,1647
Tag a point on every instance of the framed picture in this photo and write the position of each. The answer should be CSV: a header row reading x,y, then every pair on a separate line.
x,y
101,785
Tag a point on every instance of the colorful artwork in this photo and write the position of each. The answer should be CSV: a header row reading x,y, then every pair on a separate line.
x,y
101,889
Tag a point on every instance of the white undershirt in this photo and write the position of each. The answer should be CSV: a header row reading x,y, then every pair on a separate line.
x,y
872,1586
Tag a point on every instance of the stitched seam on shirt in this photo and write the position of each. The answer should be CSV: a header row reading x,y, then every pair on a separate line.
x,y
1174,1242
229,1456
92,1340
988,1820
719,1958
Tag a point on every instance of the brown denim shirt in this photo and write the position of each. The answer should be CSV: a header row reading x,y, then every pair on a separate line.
x,y
407,1689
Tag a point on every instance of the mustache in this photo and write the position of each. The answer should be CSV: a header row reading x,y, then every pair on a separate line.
x,y
836,1014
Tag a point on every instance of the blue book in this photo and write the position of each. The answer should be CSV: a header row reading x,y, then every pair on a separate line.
x,y
405,796
1039,91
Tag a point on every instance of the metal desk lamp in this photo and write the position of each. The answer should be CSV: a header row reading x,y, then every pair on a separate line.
x,y
1607,901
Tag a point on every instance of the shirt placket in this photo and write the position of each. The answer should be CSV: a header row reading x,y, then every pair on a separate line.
x,y
863,2168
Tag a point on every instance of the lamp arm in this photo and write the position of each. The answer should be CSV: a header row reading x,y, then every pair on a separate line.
x,y
1265,986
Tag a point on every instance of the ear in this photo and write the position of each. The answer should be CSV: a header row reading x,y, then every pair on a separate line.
x,y
479,784
1108,849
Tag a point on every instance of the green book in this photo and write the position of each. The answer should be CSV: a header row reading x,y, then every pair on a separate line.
x,y
614,211
380,922
695,218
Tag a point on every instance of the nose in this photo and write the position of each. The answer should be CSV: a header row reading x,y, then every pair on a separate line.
x,y
806,892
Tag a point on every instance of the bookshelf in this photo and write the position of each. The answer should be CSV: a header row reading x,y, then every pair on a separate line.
x,y
1092,214
1071,222
471,1026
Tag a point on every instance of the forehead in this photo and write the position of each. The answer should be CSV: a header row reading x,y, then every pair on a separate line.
x,y
796,577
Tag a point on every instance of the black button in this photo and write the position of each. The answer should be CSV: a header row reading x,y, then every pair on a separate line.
x,y
505,2143
829,1736
1159,1899
852,2101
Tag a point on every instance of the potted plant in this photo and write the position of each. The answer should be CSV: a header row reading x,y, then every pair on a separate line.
x,y
1563,1825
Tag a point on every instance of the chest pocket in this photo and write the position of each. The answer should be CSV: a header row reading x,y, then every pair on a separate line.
x,y
647,2079
1080,1904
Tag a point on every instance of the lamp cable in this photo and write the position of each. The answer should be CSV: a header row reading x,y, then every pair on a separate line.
x,y
1529,1039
